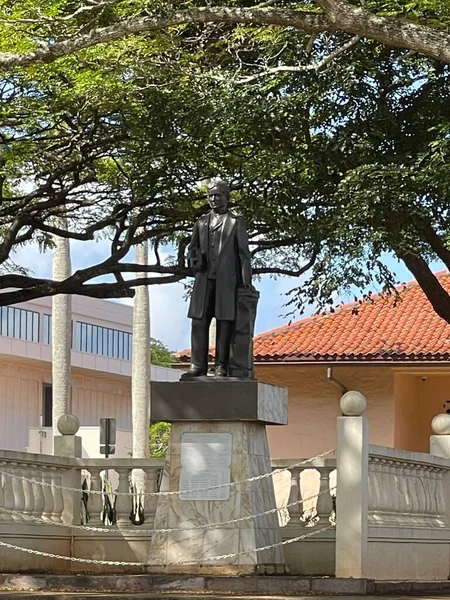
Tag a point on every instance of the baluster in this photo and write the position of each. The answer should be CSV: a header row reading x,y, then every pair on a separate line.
x,y
9,498
420,495
404,499
2,496
440,497
48,494
28,495
8,494
58,501
394,508
37,492
416,502
389,485
151,501
19,497
309,485
324,504
295,495
95,504
425,475
383,491
436,491
373,490
123,503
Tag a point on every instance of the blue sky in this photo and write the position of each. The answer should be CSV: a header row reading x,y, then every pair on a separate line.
x,y
168,310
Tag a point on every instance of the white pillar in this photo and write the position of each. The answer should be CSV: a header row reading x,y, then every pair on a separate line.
x,y
68,445
352,487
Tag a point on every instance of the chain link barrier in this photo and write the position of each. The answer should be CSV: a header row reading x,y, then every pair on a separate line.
x,y
115,563
174,493
144,531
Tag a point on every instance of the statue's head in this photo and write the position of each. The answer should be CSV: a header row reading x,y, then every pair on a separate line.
x,y
218,194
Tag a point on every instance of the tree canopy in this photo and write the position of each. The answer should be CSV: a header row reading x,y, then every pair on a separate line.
x,y
335,138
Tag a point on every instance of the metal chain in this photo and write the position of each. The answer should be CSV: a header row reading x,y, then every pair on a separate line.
x,y
115,563
144,531
174,493
290,541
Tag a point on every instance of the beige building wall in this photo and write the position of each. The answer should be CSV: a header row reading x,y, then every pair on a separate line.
x,y
419,397
21,390
314,406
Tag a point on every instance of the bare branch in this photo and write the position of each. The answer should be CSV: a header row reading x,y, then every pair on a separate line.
x,y
315,66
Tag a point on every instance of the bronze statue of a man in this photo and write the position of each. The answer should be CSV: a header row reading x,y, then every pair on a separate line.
x,y
219,257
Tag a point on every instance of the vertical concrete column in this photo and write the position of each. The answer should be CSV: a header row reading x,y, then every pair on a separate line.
x,y
352,487
440,442
68,445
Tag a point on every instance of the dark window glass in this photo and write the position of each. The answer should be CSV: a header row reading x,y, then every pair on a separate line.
x,y
78,336
29,326
23,324
4,320
47,405
94,339
35,327
16,321
116,344
110,343
105,342
120,351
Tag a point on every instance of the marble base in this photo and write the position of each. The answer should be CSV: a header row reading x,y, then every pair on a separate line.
x,y
219,399
184,550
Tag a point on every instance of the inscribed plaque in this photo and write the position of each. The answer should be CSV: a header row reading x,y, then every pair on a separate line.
x,y
205,463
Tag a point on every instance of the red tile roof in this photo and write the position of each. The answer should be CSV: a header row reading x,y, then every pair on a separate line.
x,y
381,330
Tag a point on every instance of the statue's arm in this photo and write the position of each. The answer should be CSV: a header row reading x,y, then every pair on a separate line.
x,y
244,254
194,254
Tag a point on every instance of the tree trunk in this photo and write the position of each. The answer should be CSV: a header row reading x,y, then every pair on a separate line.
x,y
140,385
140,367
61,332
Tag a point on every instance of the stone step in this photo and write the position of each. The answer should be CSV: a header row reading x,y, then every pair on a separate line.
x,y
261,585
173,587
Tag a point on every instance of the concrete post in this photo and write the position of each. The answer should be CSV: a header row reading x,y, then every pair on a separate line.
x,y
68,445
440,442
352,487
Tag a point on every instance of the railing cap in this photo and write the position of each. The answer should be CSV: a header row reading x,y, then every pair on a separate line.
x,y
441,424
353,404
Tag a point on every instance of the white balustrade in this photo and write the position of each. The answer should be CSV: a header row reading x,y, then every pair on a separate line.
x,y
33,486
310,490
119,476
406,488
22,493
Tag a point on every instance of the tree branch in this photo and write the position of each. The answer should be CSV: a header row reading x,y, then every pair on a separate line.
x,y
338,16
438,297
315,66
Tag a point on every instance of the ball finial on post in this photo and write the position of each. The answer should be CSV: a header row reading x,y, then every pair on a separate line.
x,y
353,404
441,424
68,424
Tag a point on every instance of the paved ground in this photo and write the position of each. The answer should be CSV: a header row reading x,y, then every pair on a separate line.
x,y
4,595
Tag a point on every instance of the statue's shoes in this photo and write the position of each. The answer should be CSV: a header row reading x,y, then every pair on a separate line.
x,y
193,372
220,371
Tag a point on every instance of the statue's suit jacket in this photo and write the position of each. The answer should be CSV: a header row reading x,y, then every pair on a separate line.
x,y
232,266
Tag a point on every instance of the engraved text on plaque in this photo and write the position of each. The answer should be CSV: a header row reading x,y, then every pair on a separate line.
x,y
205,463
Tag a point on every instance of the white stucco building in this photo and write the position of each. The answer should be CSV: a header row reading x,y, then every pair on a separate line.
x,y
101,370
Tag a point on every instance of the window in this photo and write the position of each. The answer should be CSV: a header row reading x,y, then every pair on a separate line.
x,y
19,323
47,406
47,333
103,341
